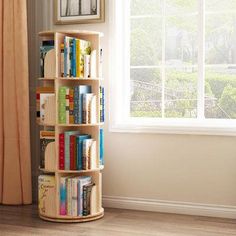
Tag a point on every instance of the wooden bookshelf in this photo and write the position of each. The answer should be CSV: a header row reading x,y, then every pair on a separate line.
x,y
53,79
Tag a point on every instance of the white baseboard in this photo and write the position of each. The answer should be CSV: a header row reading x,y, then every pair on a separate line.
x,y
187,208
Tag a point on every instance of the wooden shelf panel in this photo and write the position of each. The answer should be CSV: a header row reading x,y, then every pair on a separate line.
x,y
71,32
69,79
80,125
78,219
79,171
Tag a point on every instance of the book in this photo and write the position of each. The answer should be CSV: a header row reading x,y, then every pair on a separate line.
x,y
92,110
74,196
47,149
62,105
69,196
67,105
93,162
79,142
93,64
102,104
87,189
71,106
86,66
87,143
101,160
62,59
46,195
87,98
63,197
42,95
73,152
82,180
73,57
67,147
62,151
78,101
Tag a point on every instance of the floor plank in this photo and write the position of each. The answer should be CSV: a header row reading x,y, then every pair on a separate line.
x,y
19,220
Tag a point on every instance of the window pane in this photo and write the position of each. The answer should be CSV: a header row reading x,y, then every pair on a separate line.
x,y
145,42
220,97
181,93
219,5
181,41
178,7
145,93
221,39
141,7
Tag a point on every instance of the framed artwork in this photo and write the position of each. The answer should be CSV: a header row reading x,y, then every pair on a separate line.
x,y
79,11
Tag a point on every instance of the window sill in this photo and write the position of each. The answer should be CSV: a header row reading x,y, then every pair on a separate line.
x,y
172,126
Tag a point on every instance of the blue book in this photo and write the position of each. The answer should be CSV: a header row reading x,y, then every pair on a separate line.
x,y
67,147
63,196
74,57
79,147
101,147
78,101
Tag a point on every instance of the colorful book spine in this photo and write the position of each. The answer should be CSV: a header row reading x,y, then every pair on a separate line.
x,y
72,152
74,57
71,106
102,104
82,180
87,189
78,58
87,143
62,105
101,147
63,196
66,57
87,98
62,60
67,106
79,143
62,151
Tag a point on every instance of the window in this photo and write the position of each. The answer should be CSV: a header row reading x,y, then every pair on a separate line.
x,y
179,62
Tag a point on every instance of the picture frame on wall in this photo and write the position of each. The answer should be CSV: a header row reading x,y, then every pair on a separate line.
x,y
79,11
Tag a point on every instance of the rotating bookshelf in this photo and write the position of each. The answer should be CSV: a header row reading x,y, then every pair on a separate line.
x,y
71,133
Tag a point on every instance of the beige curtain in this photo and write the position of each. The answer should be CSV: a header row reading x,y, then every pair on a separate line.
x,y
15,165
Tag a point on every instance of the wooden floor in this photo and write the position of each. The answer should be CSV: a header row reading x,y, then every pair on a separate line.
x,y
24,221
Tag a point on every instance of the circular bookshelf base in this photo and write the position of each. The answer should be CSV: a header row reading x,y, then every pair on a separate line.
x,y
73,220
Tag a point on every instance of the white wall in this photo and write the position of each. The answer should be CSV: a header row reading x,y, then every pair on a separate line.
x,y
177,169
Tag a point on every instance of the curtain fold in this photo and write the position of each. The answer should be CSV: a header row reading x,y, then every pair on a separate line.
x,y
15,164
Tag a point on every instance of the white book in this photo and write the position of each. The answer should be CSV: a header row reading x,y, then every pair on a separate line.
x,y
86,153
93,64
69,196
86,107
86,66
93,163
74,197
92,119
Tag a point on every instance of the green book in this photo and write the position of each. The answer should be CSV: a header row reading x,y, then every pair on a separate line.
x,y
62,105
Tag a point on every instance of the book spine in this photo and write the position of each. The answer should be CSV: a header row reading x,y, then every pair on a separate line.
x,y
62,196
67,105
93,163
101,147
74,57
71,105
38,105
62,105
72,152
69,197
65,57
93,67
74,196
86,152
79,156
62,151
67,151
86,66
92,110
85,213
76,104
70,57
77,58
62,60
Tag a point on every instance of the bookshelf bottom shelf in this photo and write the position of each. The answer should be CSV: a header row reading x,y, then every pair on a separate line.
x,y
73,219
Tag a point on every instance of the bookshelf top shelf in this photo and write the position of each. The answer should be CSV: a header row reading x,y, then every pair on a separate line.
x,y
71,171
71,32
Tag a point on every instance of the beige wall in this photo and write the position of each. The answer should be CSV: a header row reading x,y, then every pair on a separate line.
x,y
185,168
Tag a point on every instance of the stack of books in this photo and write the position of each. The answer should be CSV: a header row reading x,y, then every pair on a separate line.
x,y
77,151
77,58
76,195
77,105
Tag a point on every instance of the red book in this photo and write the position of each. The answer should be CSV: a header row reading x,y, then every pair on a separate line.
x,y
72,152
61,151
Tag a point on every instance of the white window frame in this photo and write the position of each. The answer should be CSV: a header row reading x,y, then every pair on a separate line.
x,y
119,71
